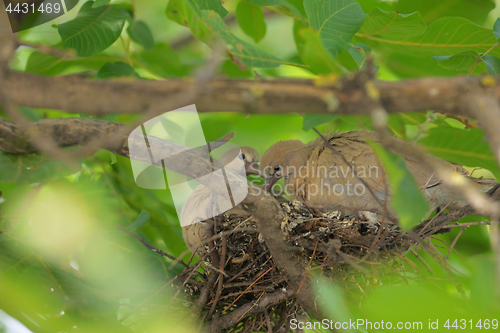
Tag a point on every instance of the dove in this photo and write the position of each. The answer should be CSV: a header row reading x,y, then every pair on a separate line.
x,y
320,178
200,204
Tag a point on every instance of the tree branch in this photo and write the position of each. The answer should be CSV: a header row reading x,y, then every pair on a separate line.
x,y
74,94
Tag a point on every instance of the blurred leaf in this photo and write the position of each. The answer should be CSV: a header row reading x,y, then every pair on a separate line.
x,y
163,61
359,53
249,55
140,221
140,33
215,5
464,147
406,198
462,61
114,69
334,303
476,11
98,3
209,25
30,168
392,24
312,120
492,64
251,20
444,36
93,30
496,28
276,3
336,21
315,55
46,64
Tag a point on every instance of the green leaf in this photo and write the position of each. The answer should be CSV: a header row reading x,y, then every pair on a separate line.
x,y
492,64
140,221
187,14
215,5
392,24
465,147
406,199
359,53
46,64
163,61
432,10
251,20
209,26
99,3
30,168
249,55
114,69
448,35
336,21
93,29
315,54
140,33
334,302
496,28
462,61
312,120
284,3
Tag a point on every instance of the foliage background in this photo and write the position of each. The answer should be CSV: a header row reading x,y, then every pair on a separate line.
x,y
63,266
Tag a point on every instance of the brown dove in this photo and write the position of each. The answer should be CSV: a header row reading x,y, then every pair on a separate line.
x,y
200,204
319,177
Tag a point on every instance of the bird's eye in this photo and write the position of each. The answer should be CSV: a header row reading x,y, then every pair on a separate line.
x,y
277,167
242,156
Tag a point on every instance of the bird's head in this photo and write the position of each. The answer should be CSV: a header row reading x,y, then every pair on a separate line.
x,y
249,156
282,160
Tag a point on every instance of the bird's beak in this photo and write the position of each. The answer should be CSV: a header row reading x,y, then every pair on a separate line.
x,y
252,168
270,181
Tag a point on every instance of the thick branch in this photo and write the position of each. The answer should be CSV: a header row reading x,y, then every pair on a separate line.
x,y
74,94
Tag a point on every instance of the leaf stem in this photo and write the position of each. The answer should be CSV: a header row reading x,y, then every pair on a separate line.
x,y
481,59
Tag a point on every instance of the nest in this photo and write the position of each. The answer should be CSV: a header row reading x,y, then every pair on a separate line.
x,y
351,249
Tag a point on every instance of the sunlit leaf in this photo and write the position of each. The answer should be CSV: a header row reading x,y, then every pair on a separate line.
x,y
94,29
251,20
392,24
336,21
406,198
462,61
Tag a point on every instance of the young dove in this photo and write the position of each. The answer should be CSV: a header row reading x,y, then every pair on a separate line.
x,y
201,204
319,177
